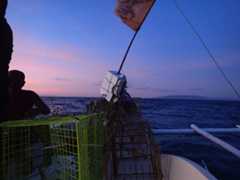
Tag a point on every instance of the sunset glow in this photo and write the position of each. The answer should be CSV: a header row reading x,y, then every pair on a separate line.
x,y
65,47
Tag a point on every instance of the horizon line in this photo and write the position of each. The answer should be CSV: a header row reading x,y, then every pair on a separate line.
x,y
180,97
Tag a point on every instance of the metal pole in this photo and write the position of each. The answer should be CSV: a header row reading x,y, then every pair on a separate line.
x,y
133,38
216,140
127,51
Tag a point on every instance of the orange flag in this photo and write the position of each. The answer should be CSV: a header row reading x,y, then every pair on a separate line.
x,y
132,12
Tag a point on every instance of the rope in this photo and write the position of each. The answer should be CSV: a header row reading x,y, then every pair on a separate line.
x,y
207,49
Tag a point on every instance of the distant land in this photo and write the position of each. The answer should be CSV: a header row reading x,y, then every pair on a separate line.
x,y
186,97
191,97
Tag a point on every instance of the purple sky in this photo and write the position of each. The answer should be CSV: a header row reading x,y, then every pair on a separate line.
x,y
65,47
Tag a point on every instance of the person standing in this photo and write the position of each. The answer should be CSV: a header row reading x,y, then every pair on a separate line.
x,y
6,49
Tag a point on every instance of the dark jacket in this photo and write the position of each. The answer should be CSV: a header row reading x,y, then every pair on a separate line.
x,y
6,49
6,42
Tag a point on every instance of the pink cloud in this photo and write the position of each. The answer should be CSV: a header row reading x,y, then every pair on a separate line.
x,y
35,59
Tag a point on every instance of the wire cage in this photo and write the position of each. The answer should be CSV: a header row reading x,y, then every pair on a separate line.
x,y
61,148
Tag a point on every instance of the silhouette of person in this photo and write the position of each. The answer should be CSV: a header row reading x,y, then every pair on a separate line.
x,y
6,49
23,103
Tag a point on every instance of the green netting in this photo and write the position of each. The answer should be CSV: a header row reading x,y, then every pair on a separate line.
x,y
91,149
49,121
61,148
16,153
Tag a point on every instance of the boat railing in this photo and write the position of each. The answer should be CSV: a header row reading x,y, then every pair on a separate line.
x,y
216,140
205,132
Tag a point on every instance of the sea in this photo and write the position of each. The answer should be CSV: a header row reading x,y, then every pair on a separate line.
x,y
180,113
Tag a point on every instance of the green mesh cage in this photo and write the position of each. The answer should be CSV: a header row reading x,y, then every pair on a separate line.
x,y
62,148
16,153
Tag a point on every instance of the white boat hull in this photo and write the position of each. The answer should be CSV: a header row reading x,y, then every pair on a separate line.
x,y
179,168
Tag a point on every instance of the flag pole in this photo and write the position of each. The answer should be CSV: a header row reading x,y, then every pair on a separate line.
x,y
133,38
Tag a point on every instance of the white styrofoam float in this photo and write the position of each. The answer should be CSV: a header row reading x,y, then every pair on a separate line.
x,y
113,85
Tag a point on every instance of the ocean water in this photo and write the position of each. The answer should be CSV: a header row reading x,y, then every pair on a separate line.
x,y
170,113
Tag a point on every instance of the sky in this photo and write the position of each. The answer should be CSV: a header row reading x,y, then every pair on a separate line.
x,y
66,47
